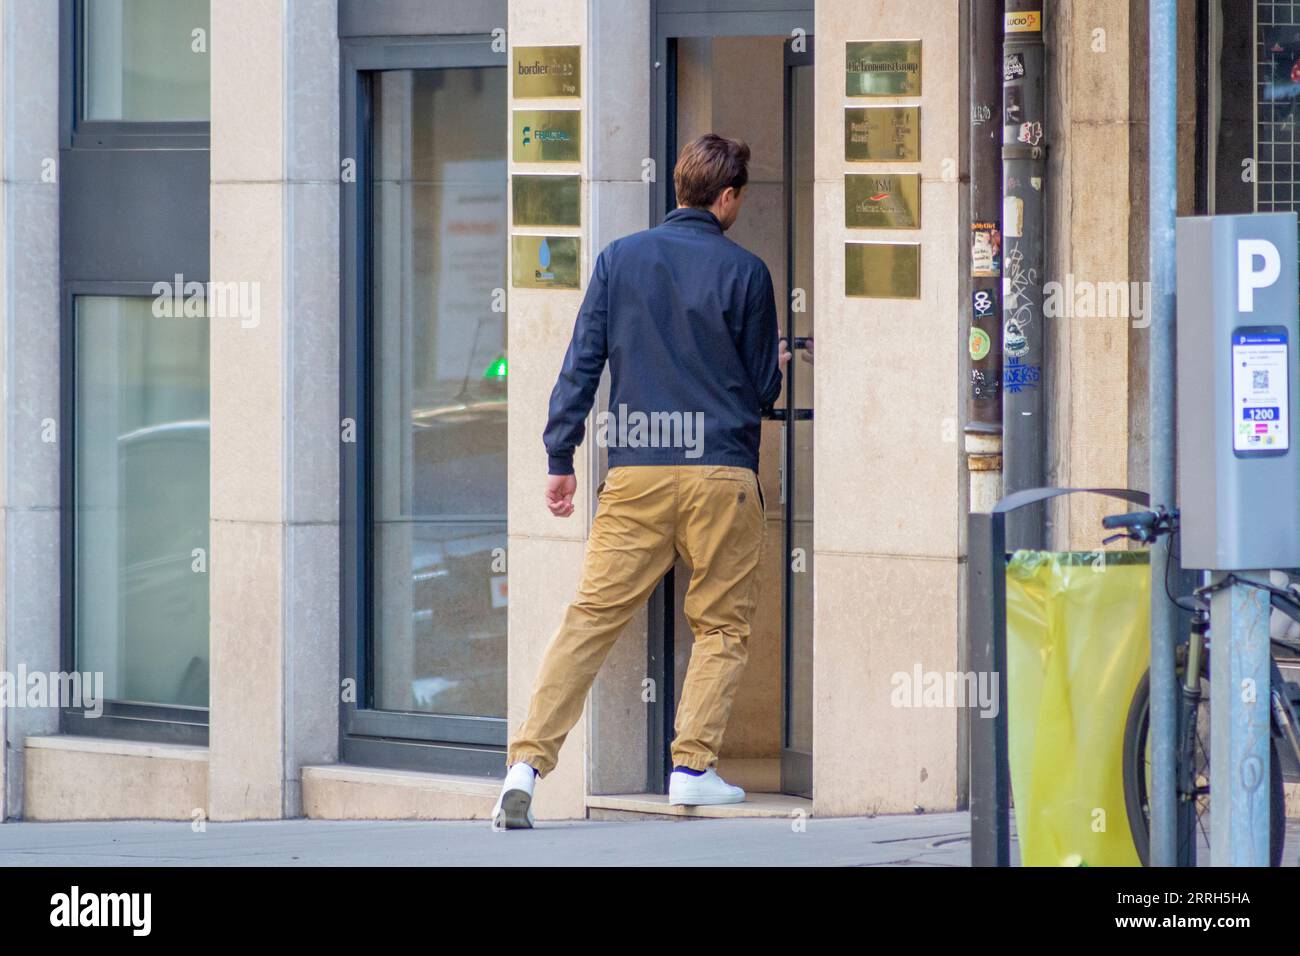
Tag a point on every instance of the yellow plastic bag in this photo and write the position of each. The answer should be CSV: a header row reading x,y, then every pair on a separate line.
x,y
1078,642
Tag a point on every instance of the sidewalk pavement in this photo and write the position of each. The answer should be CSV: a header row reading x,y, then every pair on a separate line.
x,y
940,839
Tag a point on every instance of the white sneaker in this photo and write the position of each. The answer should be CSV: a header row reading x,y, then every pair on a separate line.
x,y
514,809
706,790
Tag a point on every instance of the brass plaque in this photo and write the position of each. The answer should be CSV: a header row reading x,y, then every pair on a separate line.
x,y
547,136
882,200
542,72
544,262
882,270
546,200
882,68
877,134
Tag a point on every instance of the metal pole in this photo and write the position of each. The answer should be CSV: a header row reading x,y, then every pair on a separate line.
x,y
1024,168
990,766
981,313
1239,723
984,397
1163,39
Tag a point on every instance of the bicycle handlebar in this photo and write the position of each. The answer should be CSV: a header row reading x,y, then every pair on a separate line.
x,y
1144,527
1135,519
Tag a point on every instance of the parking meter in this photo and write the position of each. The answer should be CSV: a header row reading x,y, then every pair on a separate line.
x,y
1238,487
1238,392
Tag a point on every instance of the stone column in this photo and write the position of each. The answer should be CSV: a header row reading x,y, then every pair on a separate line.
x,y
275,403
30,313
1089,224
545,552
1097,234
890,482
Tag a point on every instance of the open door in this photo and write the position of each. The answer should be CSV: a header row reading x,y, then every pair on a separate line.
x,y
757,88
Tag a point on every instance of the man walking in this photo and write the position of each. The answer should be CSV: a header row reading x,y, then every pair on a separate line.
x,y
687,321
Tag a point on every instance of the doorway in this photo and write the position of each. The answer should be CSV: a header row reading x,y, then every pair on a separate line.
x,y
719,74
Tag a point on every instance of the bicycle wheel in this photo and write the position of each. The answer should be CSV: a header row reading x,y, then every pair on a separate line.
x,y
1137,763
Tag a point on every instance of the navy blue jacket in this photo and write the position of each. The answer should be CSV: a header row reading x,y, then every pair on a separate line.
x,y
687,321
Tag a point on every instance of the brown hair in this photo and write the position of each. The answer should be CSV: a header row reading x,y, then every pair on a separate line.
x,y
707,166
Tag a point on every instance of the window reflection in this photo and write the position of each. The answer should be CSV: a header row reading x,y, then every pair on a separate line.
x,y
141,501
439,390
145,60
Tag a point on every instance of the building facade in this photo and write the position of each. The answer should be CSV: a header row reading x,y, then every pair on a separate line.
x,y
286,286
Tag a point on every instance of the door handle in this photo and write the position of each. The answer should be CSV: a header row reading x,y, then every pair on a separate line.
x,y
785,431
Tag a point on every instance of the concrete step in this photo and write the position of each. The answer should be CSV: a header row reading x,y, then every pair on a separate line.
x,y
349,792
622,806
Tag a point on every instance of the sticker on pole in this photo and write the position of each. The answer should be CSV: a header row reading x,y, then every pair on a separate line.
x,y
1261,391
1023,21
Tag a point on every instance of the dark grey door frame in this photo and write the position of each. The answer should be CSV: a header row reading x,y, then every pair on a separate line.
x,y
671,20
450,744
393,19
796,765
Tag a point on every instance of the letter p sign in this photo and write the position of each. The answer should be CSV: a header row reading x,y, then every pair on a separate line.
x,y
1250,252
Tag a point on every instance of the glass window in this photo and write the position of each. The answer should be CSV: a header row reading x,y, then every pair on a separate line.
x,y
145,60
438,463
140,500
1277,51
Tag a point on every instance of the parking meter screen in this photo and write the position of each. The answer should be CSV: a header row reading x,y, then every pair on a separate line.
x,y
1260,391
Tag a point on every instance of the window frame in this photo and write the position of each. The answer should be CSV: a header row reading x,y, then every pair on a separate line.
x,y
467,745
103,252
80,133
121,719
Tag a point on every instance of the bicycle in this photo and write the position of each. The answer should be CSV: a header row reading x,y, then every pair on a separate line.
x,y
1192,755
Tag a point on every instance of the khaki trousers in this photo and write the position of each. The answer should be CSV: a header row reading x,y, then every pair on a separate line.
x,y
648,515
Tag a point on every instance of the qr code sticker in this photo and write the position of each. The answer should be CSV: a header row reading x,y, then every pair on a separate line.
x,y
1259,378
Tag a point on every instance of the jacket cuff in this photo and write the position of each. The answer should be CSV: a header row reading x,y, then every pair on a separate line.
x,y
560,464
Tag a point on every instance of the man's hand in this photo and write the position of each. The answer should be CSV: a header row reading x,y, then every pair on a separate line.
x,y
559,494
783,353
